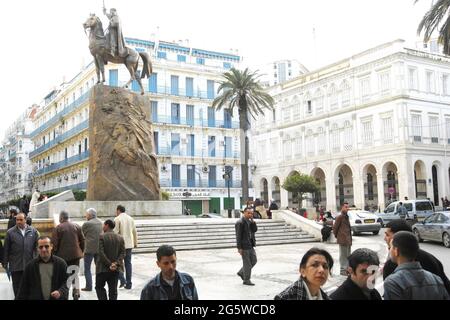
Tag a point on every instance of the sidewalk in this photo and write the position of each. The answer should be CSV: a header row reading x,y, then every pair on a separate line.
x,y
214,271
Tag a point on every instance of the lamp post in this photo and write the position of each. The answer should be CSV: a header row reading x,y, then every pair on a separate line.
x,y
227,177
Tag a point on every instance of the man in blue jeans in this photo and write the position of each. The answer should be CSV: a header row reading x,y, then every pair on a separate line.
x,y
126,228
91,229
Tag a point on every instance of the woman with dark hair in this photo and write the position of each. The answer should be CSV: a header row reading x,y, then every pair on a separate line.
x,y
314,270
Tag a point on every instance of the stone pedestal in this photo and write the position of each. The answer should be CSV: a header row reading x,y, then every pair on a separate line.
x,y
122,164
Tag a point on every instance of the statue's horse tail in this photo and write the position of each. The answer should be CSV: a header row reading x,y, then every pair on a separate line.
x,y
147,68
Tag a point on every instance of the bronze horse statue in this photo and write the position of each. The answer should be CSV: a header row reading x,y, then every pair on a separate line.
x,y
98,47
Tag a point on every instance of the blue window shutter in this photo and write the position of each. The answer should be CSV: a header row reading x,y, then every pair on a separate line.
x,y
175,144
190,115
154,106
190,145
174,85
114,78
211,117
191,176
212,176
227,65
153,83
176,175
189,87
175,113
212,146
200,61
228,147
162,55
181,58
227,118
210,89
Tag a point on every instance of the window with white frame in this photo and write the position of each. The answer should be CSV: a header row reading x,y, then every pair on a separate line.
x,y
333,98
430,82
447,129
274,147
321,143
310,150
287,144
434,129
384,83
387,129
287,114
413,78
348,136
318,101
416,127
364,89
296,109
367,132
298,146
445,84
345,92
335,138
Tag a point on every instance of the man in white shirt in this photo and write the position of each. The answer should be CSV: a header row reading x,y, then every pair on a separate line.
x,y
126,228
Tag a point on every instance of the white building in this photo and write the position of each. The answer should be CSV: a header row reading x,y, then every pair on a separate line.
x,y
15,166
371,128
281,71
194,142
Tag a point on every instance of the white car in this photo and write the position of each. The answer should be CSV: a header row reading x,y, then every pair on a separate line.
x,y
364,221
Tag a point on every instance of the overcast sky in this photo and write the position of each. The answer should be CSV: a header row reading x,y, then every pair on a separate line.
x,y
43,41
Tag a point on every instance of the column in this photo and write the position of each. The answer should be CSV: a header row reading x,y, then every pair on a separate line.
x,y
284,198
380,190
331,194
358,192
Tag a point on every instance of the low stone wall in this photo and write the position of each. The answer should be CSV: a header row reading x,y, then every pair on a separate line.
x,y
144,209
44,226
307,225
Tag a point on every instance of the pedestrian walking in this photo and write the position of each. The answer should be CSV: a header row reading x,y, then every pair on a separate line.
x,y
428,261
362,264
169,284
45,277
245,240
315,269
126,227
343,233
409,280
12,218
69,245
24,205
91,229
19,249
402,211
110,261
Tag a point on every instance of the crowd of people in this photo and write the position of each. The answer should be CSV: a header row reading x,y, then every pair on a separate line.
x,y
45,268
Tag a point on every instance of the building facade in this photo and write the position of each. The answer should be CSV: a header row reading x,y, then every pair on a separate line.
x,y
195,144
281,71
15,166
371,129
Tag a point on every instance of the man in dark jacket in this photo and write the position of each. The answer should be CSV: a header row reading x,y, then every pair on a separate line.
x,y
19,249
362,263
426,260
24,205
68,242
245,240
45,277
169,284
91,229
111,253
343,233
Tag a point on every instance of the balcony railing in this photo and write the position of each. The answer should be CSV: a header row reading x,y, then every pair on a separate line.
x,y
71,107
221,154
197,122
61,138
65,163
168,183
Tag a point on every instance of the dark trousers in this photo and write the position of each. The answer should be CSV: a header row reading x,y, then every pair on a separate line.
x,y
112,278
16,280
76,281
87,268
128,269
248,260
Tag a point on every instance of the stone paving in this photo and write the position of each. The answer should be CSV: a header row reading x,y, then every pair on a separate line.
x,y
214,271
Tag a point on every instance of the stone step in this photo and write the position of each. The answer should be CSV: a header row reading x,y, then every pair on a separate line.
x,y
223,245
200,230
202,225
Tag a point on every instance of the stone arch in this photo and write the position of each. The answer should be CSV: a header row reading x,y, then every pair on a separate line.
x,y
292,199
437,182
390,181
420,179
369,175
320,198
343,177
264,187
275,186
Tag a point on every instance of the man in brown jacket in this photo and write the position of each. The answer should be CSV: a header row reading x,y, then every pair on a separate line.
x,y
111,253
343,233
69,245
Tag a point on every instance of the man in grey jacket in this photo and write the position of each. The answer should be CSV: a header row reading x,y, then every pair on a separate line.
x,y
409,280
19,249
91,229
245,241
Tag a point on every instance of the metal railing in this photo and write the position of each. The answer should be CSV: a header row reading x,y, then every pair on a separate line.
x,y
168,183
65,163
219,154
197,122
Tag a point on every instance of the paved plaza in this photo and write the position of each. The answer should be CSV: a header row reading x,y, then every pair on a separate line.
x,y
214,271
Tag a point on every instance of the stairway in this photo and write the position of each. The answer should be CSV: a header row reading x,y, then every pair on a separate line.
x,y
195,234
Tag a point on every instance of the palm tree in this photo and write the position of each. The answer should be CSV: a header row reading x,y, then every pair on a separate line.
x,y
242,90
431,21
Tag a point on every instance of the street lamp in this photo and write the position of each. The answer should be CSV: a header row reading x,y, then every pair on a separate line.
x,y
227,177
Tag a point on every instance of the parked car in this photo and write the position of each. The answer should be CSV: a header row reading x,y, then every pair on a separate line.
x,y
363,221
417,210
435,228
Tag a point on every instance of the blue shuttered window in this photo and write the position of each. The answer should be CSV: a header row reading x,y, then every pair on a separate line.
x,y
175,113
114,78
212,177
181,58
200,61
189,87
190,145
156,140
210,89
176,181
162,55
154,106
174,85
211,146
153,83
226,118
228,148
211,117
175,144
189,115
191,176
227,65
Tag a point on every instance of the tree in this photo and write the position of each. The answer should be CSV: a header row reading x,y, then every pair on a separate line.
x,y
437,17
300,184
242,90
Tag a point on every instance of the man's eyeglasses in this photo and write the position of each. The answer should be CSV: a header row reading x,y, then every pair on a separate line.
x,y
44,246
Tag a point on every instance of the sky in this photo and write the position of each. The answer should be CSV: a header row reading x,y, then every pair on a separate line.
x,y
43,42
